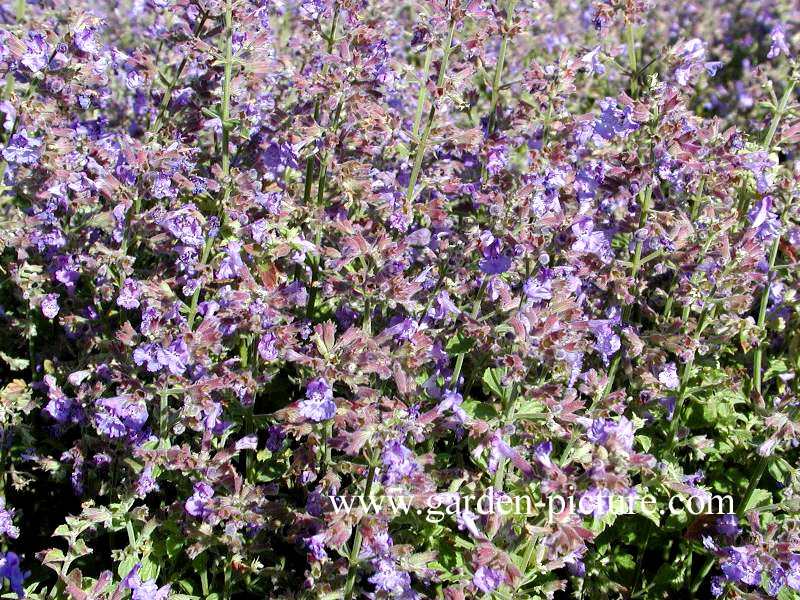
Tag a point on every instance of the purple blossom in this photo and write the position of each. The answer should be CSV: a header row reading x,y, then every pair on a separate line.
x,y
539,288
763,220
7,526
591,241
778,42
390,580
231,264
607,432
266,347
129,294
10,570
37,52
494,261
318,404
50,305
399,462
22,149
614,121
147,590
184,226
198,503
668,376
487,579
607,341
728,525
742,565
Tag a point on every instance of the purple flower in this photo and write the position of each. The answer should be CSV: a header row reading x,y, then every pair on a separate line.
x,y
120,416
487,579
760,165
590,241
316,544
728,525
146,482
389,579
493,261
271,201
162,186
592,59
129,294
147,590
50,305
10,114
184,225
197,504
595,501
231,264
606,431
607,342
266,347
174,357
22,149
716,586
614,122
37,52
668,377
399,461
793,573
763,220
442,306
134,80
147,354
7,526
742,565
318,404
451,400
539,288
778,46
275,438
9,569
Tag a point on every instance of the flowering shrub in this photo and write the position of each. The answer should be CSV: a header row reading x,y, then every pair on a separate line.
x,y
256,255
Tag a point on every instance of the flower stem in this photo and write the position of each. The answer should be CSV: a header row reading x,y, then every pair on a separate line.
x,y
423,91
776,118
225,111
631,43
762,314
356,548
420,152
162,108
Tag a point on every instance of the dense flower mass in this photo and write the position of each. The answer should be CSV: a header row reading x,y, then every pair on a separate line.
x,y
257,256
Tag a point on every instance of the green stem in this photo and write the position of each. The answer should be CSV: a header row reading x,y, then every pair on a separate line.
x,y
309,177
225,113
498,69
476,307
631,43
420,152
776,118
762,314
685,377
162,108
508,414
356,549
423,91
646,196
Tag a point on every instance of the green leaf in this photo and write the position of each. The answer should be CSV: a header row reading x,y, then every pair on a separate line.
x,y
493,378
758,498
479,410
15,364
459,344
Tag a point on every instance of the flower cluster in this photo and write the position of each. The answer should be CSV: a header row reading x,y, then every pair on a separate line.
x,y
257,254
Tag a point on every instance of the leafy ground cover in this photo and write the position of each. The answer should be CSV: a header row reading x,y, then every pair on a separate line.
x,y
260,256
